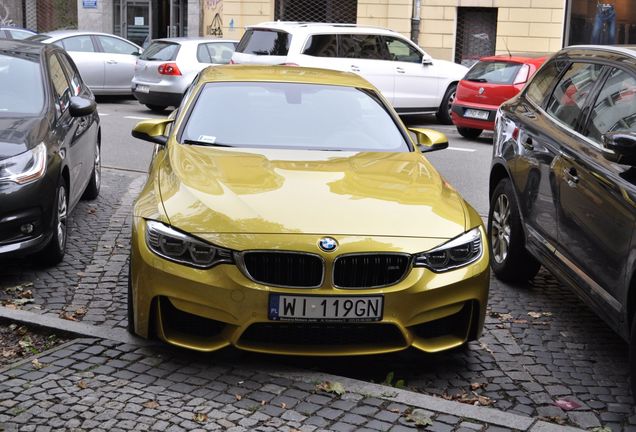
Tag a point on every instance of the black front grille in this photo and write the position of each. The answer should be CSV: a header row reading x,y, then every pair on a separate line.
x,y
336,334
370,270
284,268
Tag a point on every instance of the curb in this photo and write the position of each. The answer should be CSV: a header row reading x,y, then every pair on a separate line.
x,y
430,403
480,414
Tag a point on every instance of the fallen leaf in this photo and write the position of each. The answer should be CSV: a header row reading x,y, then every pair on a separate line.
x,y
263,403
36,364
151,404
283,405
477,386
602,429
331,387
80,312
22,301
67,316
25,342
567,405
520,321
419,418
82,384
238,397
28,294
535,314
395,410
554,419
6,352
10,306
200,417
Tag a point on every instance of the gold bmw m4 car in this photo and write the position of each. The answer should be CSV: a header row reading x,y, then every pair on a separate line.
x,y
288,211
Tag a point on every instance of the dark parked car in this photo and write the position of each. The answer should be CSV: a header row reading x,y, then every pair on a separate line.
x,y
563,182
49,148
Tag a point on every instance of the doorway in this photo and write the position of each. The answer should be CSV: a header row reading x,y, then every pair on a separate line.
x,y
142,20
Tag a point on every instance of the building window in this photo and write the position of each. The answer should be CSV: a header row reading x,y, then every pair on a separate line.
x,y
332,11
476,34
603,22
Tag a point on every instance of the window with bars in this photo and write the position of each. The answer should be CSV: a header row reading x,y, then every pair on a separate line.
x,y
476,34
331,11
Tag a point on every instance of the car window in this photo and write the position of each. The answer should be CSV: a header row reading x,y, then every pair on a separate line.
x,y
568,98
360,46
113,45
543,80
264,42
216,52
72,74
402,51
61,89
162,51
19,34
4,34
322,45
615,106
493,72
292,116
21,89
78,43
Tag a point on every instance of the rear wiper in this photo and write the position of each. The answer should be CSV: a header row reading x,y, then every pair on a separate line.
x,y
477,80
205,143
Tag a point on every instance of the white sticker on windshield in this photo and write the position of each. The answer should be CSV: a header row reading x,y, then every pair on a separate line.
x,y
207,139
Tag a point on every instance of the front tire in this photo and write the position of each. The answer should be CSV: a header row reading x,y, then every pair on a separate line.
x,y
632,357
510,261
53,252
92,189
156,108
469,133
444,112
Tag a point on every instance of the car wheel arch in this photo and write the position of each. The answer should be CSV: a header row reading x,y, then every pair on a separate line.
x,y
497,173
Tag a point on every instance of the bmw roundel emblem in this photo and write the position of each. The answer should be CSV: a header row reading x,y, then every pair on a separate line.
x,y
328,244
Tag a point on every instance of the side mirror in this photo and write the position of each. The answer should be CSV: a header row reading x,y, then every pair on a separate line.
x,y
81,106
152,130
136,53
429,140
427,60
620,147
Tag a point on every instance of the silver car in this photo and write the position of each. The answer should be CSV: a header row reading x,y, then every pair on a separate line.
x,y
168,66
106,62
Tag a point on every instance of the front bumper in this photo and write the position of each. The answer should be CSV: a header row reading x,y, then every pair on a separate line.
x,y
207,310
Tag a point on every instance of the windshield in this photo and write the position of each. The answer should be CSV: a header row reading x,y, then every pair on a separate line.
x,y
291,116
493,72
21,90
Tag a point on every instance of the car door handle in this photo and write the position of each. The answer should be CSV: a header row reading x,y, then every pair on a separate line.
x,y
400,70
571,176
355,68
111,61
527,144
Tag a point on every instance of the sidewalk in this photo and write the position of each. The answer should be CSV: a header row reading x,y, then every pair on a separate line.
x,y
104,384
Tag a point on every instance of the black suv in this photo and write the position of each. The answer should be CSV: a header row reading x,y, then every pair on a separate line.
x,y
563,182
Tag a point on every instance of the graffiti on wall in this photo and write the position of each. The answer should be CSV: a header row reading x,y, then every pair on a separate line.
x,y
213,17
4,15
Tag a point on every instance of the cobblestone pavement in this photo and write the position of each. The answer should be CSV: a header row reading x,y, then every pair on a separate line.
x,y
541,346
99,385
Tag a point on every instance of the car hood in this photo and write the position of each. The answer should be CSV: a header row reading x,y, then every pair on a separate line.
x,y
19,134
211,190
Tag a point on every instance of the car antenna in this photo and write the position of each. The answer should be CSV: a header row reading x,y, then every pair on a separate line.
x,y
506,45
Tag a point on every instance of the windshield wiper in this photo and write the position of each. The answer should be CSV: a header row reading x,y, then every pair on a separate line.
x,y
477,79
205,143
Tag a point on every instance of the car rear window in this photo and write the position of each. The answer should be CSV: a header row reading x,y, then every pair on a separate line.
x,y
493,72
162,51
264,42
21,90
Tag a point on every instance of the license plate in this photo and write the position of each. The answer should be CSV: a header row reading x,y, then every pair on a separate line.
x,y
319,308
143,89
476,114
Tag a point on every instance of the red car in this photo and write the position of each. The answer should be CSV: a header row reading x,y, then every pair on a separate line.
x,y
489,83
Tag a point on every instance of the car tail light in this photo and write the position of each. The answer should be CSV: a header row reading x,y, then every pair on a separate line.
x,y
522,75
169,69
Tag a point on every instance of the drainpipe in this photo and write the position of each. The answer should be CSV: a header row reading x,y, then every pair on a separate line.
x,y
415,21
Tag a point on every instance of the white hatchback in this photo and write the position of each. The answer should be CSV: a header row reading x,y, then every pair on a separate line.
x,y
408,77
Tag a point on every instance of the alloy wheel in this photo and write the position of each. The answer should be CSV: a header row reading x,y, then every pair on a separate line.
x,y
500,232
451,99
61,217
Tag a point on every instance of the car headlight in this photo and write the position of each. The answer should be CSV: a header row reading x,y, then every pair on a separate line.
x,y
179,247
455,253
25,167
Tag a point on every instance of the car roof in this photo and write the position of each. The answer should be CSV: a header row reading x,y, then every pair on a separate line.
x,y
59,34
518,58
290,74
184,40
316,27
20,46
16,28
629,50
